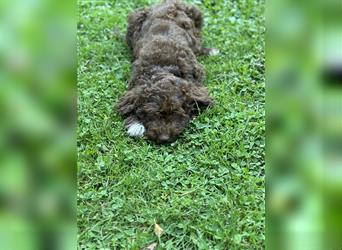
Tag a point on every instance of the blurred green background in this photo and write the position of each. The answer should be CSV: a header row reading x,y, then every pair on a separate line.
x,y
304,125
37,127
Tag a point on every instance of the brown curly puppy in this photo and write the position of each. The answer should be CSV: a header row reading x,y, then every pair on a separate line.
x,y
165,91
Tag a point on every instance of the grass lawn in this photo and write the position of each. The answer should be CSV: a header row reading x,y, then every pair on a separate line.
x,y
206,190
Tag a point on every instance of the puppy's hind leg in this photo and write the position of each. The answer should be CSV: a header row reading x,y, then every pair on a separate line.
x,y
210,51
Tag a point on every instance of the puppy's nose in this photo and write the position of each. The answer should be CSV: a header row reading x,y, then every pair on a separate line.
x,y
163,138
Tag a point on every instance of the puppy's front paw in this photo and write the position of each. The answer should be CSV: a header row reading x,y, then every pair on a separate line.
x,y
135,129
214,52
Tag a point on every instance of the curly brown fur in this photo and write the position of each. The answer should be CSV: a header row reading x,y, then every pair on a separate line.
x,y
166,88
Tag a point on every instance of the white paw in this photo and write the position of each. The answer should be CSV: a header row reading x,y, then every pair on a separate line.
x,y
214,52
136,129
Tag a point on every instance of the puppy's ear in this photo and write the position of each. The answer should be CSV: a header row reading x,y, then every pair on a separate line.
x,y
135,22
128,102
199,95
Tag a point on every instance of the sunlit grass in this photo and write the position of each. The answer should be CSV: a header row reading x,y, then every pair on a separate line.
x,y
206,190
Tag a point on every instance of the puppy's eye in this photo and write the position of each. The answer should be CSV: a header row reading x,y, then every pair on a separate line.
x,y
163,113
139,114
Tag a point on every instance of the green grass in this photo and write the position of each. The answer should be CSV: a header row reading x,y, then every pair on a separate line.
x,y
206,190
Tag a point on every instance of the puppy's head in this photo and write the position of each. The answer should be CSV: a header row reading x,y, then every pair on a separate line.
x,y
163,108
